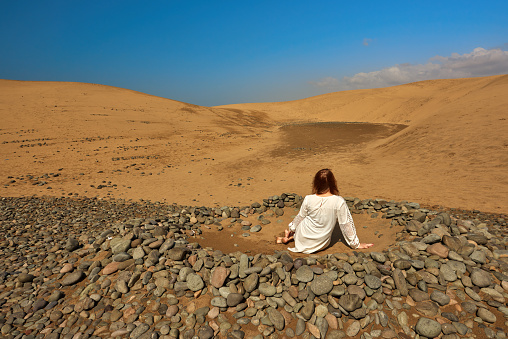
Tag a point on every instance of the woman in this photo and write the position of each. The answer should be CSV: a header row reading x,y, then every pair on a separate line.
x,y
312,228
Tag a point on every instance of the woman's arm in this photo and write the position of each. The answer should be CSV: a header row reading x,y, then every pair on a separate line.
x,y
301,215
347,225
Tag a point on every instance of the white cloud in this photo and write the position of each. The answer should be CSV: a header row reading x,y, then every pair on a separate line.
x,y
366,41
325,82
480,62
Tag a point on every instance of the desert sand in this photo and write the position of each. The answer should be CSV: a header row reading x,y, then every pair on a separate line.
x,y
94,140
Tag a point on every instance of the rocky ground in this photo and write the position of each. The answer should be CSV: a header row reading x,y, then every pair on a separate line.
x,y
92,268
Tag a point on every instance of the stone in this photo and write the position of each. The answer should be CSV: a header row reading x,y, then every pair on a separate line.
x,y
25,278
276,318
195,282
379,257
233,299
267,289
73,278
251,282
400,282
372,281
480,278
428,327
438,249
321,284
428,308
353,329
119,245
350,302
177,253
439,297
219,275
486,315
71,244
304,274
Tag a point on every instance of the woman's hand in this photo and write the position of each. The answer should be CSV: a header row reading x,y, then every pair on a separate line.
x,y
364,246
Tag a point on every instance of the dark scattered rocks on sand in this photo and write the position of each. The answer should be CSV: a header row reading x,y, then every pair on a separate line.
x,y
91,268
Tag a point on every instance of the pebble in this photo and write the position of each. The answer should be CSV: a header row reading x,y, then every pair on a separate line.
x,y
140,277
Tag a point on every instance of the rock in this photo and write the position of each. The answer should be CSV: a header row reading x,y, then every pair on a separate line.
x,y
486,315
119,245
25,277
139,330
400,282
195,282
413,225
267,289
73,278
480,278
350,302
379,257
372,282
304,274
219,276
177,253
205,332
428,328
321,285
308,310
71,244
251,282
353,329
276,318
438,249
478,257
418,295
233,299
255,229
439,297
300,327
428,308
219,302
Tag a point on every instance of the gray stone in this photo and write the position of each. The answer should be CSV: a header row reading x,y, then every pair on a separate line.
x,y
439,297
379,257
300,327
255,229
119,245
234,299
195,282
276,318
251,282
219,302
478,257
177,253
73,278
267,289
71,244
480,278
139,330
350,302
304,274
448,272
372,281
400,282
321,285
353,329
486,315
25,277
428,328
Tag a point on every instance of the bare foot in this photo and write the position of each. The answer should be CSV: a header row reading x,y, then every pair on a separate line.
x,y
364,246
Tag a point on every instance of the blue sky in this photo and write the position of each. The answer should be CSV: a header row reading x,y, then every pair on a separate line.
x,y
223,52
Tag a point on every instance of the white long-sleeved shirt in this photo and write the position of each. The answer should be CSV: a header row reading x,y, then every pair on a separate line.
x,y
314,224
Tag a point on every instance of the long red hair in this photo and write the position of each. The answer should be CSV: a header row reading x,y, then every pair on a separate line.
x,y
324,181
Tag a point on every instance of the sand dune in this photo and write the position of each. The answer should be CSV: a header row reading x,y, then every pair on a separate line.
x,y
94,140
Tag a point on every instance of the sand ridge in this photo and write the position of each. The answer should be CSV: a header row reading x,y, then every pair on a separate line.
x,y
94,140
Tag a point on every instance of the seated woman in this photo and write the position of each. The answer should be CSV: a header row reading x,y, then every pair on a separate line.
x,y
312,228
